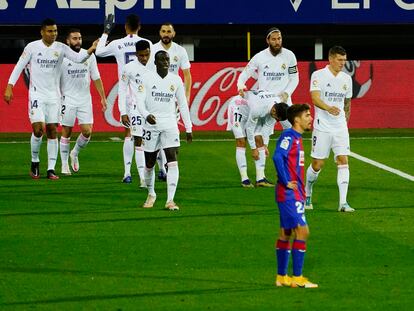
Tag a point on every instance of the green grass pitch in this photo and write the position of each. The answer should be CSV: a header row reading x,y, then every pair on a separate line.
x,y
83,242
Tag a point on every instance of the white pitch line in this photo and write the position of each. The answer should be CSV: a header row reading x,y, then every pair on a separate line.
x,y
382,166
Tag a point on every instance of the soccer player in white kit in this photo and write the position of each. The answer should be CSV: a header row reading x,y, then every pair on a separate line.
x,y
251,116
178,60
331,92
275,69
130,80
75,83
44,58
157,99
124,52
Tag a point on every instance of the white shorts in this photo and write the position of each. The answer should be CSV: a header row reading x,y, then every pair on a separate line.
x,y
43,111
69,113
323,142
155,139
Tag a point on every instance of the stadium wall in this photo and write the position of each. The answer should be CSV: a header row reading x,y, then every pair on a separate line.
x,y
382,98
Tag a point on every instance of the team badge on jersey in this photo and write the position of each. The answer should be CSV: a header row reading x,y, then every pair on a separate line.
x,y
283,66
172,88
301,158
56,54
176,59
285,143
344,87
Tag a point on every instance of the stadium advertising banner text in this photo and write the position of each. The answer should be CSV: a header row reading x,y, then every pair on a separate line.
x,y
379,101
16,12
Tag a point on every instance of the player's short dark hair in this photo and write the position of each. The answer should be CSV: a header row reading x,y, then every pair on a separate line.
x,y
281,111
337,50
295,111
272,30
72,30
47,22
158,53
133,22
167,24
142,45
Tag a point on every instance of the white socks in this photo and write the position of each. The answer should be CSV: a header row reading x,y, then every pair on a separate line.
x,y
161,160
35,143
81,143
128,151
52,152
172,180
241,162
64,150
140,161
260,164
311,177
149,177
343,182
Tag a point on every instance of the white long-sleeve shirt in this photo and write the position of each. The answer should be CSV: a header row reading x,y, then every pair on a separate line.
x,y
178,57
130,80
45,64
158,96
276,74
122,49
75,80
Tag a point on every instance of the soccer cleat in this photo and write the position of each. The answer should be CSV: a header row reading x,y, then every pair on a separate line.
x,y
127,180
345,208
74,162
301,281
150,201
66,170
162,176
264,183
143,184
283,280
34,170
171,206
308,203
247,184
51,175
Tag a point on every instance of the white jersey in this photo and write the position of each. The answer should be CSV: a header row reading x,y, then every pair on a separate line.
x,y
334,90
178,57
122,49
44,63
131,79
158,96
276,74
256,106
76,78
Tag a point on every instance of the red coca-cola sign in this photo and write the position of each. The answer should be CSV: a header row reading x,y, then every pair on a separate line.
x,y
379,100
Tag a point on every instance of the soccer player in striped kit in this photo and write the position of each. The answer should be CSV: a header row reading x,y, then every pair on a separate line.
x,y
289,160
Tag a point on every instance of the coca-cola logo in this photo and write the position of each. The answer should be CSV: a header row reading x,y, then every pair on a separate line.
x,y
209,104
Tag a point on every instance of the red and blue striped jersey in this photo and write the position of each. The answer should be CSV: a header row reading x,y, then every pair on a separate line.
x,y
289,160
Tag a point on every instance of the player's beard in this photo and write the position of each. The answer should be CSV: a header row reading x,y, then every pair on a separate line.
x,y
76,48
166,40
275,50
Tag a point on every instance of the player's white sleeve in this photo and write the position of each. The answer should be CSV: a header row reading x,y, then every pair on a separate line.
x,y
248,71
250,127
293,76
94,71
315,82
268,128
349,93
140,98
183,105
75,56
103,50
122,92
185,62
23,61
